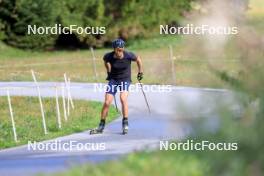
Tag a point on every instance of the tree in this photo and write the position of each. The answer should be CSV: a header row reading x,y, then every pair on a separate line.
x,y
128,19
18,14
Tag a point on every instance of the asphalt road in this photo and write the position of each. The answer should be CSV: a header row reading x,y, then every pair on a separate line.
x,y
172,116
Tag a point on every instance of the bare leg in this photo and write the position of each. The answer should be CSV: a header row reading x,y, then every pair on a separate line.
x,y
123,99
107,103
104,112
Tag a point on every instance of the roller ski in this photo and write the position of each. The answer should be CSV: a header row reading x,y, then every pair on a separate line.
x,y
99,129
125,126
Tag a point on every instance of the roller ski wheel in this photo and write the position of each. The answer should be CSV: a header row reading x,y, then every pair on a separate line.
x,y
98,130
125,127
125,131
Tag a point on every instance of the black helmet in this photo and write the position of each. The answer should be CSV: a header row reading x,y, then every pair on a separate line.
x,y
118,43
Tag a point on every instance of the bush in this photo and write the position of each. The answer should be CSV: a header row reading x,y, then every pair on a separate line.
x,y
128,19
17,15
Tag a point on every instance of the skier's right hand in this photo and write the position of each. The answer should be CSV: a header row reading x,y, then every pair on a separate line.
x,y
108,76
140,76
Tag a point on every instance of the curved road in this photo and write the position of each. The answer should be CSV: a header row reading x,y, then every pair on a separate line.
x,y
171,119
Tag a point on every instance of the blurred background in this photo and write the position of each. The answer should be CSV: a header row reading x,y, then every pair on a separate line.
x,y
232,62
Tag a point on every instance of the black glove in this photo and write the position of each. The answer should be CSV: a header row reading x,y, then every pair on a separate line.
x,y
139,76
108,76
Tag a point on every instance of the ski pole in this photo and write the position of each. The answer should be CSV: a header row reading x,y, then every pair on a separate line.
x,y
145,97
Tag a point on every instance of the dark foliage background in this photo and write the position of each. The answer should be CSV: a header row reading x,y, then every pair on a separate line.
x,y
128,19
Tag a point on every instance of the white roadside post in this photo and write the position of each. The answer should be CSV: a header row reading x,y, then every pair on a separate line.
x,y
58,109
69,87
68,102
94,64
40,102
63,103
11,116
68,96
69,99
172,58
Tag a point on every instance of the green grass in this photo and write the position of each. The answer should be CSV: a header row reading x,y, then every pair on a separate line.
x,y
28,119
191,69
255,15
148,164
169,163
155,42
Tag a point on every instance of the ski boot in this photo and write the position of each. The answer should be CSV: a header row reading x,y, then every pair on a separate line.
x,y
125,125
99,129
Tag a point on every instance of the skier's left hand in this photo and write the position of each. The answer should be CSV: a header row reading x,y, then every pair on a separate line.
x,y
140,76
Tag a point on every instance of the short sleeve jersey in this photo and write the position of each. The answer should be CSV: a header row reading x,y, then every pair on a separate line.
x,y
120,68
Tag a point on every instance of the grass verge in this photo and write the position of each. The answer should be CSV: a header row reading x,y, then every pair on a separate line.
x,y
28,119
190,69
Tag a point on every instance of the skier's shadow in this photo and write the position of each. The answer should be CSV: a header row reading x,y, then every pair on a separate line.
x,y
116,133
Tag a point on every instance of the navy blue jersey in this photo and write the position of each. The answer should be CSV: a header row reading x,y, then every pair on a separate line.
x,y
120,68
